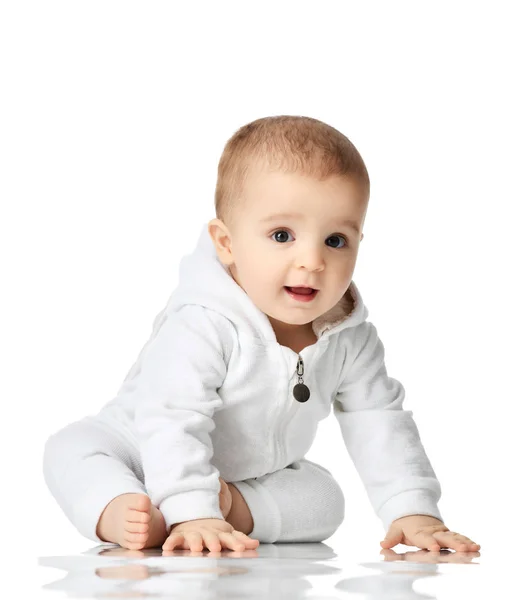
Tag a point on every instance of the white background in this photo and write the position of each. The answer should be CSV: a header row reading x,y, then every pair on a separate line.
x,y
113,118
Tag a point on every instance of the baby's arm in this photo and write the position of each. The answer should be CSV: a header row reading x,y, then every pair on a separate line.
x,y
382,438
180,372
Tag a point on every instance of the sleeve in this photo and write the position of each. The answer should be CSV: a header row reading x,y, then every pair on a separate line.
x,y
180,374
382,439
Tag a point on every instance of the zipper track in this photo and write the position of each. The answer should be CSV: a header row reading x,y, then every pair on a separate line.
x,y
290,412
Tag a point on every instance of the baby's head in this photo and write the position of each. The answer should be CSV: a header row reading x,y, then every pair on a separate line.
x,y
302,166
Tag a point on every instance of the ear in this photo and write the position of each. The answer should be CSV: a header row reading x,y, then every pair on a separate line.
x,y
221,238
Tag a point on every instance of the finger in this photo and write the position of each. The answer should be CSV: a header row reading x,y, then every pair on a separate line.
x,y
456,536
425,541
390,555
194,540
211,541
248,541
455,541
230,541
172,541
392,538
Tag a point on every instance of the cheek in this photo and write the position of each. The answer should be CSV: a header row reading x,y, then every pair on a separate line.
x,y
263,276
263,266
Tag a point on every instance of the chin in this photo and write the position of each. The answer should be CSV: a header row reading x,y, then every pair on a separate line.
x,y
296,322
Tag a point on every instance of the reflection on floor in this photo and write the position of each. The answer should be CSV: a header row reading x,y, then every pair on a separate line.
x,y
289,571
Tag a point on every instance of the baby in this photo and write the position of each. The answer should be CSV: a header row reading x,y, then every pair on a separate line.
x,y
204,444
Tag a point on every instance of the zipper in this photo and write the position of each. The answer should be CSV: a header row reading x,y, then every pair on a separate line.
x,y
295,405
301,391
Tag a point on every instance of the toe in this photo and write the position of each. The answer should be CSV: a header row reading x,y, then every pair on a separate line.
x,y
138,509
140,502
137,516
136,538
132,527
132,545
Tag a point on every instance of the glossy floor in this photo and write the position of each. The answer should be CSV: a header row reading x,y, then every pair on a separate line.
x,y
271,571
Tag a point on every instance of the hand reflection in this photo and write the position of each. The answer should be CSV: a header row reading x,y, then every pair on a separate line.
x,y
209,554
119,552
126,572
426,556
138,572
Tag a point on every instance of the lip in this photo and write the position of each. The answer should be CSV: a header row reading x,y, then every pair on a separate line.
x,y
302,297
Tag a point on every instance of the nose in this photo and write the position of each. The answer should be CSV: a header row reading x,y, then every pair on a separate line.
x,y
310,257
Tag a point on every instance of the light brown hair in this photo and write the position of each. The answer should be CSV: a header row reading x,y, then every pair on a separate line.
x,y
284,143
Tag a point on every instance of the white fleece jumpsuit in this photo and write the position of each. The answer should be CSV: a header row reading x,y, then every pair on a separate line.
x,y
211,394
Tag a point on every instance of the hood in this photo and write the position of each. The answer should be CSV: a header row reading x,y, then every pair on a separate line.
x,y
204,280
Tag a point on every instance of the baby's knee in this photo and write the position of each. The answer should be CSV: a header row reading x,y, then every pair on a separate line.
x,y
56,442
56,453
333,505
324,497
63,446
53,447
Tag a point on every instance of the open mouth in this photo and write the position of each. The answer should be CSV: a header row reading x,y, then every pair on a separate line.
x,y
302,294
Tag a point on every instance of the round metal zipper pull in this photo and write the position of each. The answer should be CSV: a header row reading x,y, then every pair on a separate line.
x,y
301,391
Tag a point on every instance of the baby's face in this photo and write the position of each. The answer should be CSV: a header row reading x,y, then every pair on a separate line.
x,y
316,247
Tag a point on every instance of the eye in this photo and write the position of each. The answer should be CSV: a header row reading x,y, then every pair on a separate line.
x,y
341,237
279,231
285,232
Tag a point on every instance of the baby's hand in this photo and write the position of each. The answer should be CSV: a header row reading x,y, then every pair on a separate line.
x,y
210,533
426,532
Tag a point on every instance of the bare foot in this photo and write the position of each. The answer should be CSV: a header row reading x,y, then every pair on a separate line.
x,y
131,521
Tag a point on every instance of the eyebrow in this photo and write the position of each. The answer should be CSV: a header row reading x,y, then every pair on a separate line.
x,y
275,217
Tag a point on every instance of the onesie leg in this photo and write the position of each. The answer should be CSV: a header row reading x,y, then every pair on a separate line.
x,y
301,503
86,465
